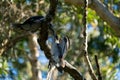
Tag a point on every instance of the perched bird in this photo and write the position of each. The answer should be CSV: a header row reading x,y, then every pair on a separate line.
x,y
63,46
31,24
33,19
59,49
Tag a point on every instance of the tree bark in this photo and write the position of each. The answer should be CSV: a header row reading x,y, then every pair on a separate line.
x,y
33,45
102,11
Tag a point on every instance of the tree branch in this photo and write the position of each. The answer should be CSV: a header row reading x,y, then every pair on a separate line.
x,y
90,68
43,36
49,76
98,68
73,71
42,41
12,42
68,68
102,11
52,9
85,51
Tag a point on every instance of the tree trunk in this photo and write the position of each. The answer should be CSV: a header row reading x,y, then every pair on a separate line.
x,y
33,45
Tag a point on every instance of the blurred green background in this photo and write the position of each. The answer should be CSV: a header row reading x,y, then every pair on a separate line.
x,y
102,42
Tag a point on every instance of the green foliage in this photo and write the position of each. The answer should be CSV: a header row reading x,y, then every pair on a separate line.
x,y
68,21
3,66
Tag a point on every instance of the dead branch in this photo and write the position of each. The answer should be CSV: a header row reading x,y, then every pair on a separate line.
x,y
85,51
98,68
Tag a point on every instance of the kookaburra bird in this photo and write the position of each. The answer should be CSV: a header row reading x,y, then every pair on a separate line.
x,y
59,50
63,46
32,24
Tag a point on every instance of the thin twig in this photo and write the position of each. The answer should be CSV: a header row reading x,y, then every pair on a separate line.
x,y
91,71
98,68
